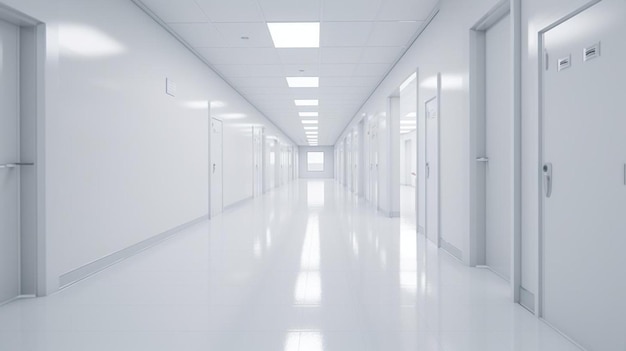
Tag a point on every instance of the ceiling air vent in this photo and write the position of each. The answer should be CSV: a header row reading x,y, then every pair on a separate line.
x,y
591,52
565,62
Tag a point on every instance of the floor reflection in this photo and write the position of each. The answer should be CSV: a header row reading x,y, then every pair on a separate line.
x,y
306,267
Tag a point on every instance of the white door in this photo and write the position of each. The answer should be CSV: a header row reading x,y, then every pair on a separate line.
x,y
408,163
258,161
374,162
498,170
432,170
584,177
270,159
355,162
217,173
9,153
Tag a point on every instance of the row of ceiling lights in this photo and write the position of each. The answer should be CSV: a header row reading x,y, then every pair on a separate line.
x,y
301,35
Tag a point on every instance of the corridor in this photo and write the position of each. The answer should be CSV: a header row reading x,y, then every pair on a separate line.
x,y
307,267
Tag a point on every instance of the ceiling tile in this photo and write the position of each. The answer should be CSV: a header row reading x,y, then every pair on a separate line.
x,y
180,11
406,9
250,70
310,70
231,10
345,33
372,69
349,81
257,33
199,35
336,70
350,10
341,55
381,54
299,56
217,56
393,33
291,10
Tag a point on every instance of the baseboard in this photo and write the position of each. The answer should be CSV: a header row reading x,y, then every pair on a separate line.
x,y
20,297
96,266
527,299
238,203
493,271
563,334
452,250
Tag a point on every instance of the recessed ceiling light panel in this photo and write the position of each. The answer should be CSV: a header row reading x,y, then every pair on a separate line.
x,y
295,35
309,114
307,102
303,82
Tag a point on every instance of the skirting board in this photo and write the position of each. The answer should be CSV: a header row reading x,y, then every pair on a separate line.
x,y
452,250
96,266
238,203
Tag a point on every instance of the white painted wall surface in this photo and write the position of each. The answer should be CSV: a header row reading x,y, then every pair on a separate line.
x,y
443,47
329,162
125,161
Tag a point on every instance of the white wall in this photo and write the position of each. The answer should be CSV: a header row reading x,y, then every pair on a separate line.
x,y
443,47
329,162
125,161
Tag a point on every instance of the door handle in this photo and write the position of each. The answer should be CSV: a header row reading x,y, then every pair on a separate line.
x,y
214,168
482,159
427,170
547,179
16,164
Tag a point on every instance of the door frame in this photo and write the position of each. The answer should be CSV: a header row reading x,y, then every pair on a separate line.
x,y
33,246
211,215
543,61
477,136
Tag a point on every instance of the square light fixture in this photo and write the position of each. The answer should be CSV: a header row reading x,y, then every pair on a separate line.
x,y
309,121
309,114
307,102
303,82
311,128
311,132
295,34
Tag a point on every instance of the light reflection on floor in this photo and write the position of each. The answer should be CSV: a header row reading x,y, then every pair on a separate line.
x,y
307,267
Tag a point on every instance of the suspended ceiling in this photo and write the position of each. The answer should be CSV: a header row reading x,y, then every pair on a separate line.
x,y
360,40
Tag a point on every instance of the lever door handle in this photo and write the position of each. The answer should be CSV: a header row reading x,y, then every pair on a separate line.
x,y
214,168
427,170
16,164
547,179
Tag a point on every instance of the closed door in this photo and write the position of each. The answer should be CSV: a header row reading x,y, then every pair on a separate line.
x,y
355,163
374,164
217,193
258,161
432,170
9,153
584,177
498,132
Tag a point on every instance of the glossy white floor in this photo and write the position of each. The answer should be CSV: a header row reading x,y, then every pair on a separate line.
x,y
306,267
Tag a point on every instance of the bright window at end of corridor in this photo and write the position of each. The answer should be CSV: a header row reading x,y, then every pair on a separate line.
x,y
315,161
